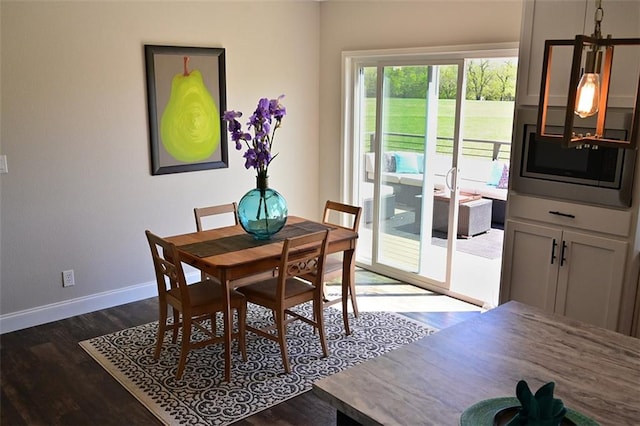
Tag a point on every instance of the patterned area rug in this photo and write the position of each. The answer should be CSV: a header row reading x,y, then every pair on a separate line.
x,y
202,397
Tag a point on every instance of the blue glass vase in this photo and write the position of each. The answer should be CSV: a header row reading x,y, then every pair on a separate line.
x,y
262,211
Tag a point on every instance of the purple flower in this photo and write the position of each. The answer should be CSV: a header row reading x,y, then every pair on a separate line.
x,y
258,154
277,109
231,115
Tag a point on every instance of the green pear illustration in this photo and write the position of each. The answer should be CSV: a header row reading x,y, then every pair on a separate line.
x,y
190,124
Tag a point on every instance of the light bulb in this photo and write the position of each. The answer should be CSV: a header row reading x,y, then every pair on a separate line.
x,y
588,95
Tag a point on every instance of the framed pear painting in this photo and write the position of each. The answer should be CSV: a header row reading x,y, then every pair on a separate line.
x,y
186,98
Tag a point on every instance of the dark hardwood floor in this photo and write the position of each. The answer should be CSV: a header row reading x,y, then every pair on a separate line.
x,y
47,379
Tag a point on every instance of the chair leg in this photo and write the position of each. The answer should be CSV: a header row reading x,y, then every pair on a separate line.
x,y
324,297
318,313
176,321
242,330
162,328
184,347
282,339
352,294
214,324
354,305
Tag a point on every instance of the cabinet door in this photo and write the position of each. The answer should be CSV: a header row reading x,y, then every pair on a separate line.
x,y
561,19
591,278
531,264
547,20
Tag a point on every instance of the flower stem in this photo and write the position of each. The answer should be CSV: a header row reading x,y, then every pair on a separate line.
x,y
266,213
262,183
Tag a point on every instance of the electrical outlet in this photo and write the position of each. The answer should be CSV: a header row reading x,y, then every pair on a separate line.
x,y
67,278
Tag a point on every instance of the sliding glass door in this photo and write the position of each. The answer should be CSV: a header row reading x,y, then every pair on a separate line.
x,y
411,151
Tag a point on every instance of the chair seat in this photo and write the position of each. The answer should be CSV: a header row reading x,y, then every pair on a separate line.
x,y
208,293
267,289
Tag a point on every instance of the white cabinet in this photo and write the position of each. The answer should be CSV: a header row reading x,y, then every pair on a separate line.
x,y
591,278
572,273
564,19
530,275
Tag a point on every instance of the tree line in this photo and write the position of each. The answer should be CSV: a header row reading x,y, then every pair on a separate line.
x,y
486,80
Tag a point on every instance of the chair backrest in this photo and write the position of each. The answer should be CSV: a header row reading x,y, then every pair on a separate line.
x,y
302,256
338,214
202,212
168,268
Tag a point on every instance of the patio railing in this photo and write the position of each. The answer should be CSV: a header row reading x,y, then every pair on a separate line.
x,y
500,150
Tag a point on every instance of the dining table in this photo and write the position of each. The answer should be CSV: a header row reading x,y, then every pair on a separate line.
x,y
234,257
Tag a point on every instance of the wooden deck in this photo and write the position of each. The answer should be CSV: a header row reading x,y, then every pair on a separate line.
x,y
476,268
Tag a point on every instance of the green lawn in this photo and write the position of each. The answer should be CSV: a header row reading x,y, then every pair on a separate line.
x,y
485,120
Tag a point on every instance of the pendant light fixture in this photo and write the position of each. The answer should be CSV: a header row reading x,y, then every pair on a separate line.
x,y
588,90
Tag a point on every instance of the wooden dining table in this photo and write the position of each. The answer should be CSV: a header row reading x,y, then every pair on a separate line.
x,y
233,256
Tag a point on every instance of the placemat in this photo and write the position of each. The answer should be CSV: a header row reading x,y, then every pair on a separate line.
x,y
246,241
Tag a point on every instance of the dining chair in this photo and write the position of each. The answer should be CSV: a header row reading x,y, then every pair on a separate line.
x,y
337,215
203,213
192,304
300,255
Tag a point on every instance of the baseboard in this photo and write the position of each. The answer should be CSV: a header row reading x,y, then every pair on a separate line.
x,y
81,305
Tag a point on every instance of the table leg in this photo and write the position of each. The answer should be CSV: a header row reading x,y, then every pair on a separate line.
x,y
227,326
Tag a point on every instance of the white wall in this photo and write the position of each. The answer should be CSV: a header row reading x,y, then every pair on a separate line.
x,y
396,24
79,194
74,125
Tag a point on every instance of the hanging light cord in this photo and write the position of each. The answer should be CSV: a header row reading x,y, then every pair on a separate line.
x,y
599,14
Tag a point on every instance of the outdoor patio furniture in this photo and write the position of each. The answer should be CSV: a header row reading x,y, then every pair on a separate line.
x,y
474,214
388,201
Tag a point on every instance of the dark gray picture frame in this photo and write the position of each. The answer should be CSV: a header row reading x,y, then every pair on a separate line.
x,y
162,64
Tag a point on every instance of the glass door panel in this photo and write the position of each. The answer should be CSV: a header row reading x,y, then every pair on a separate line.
x,y
484,168
406,142
366,101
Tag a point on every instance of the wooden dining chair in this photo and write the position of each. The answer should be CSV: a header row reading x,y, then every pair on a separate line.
x,y
300,255
192,304
223,209
228,213
342,216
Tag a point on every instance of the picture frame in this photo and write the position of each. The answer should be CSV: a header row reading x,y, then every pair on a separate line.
x,y
186,98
